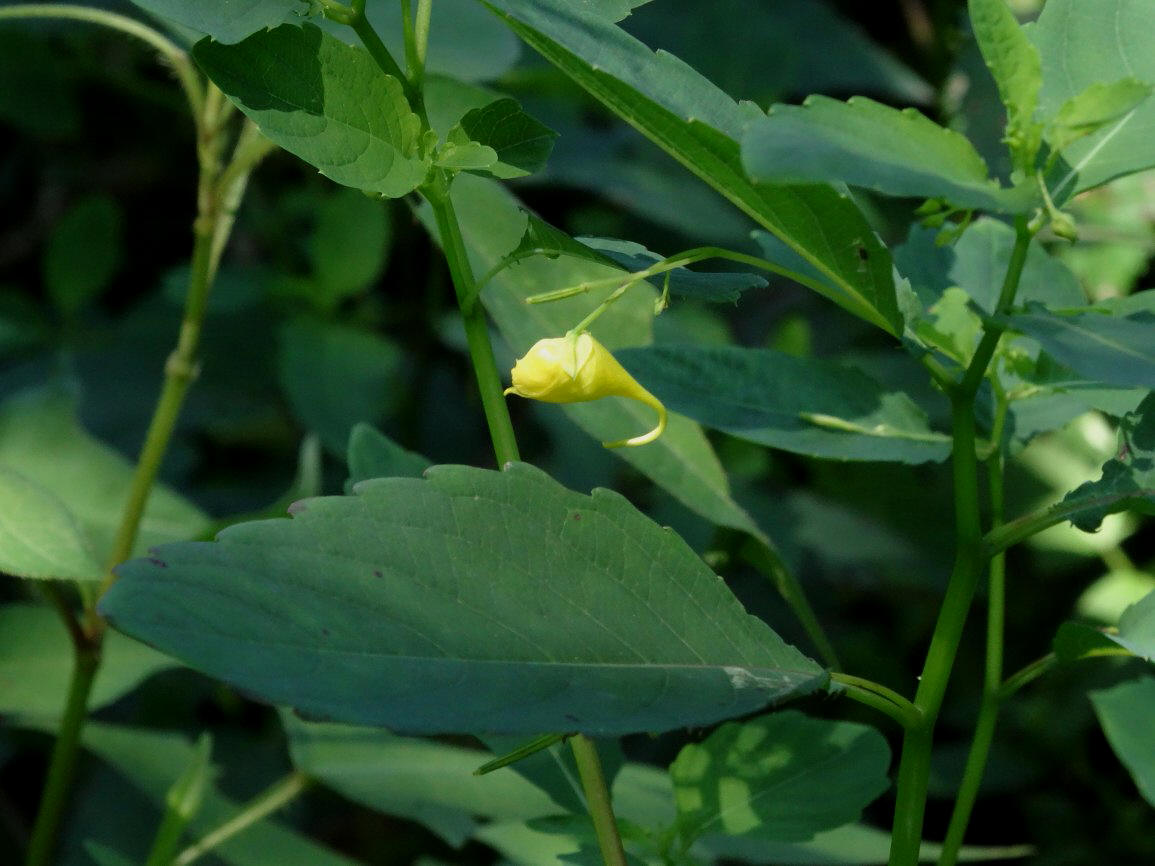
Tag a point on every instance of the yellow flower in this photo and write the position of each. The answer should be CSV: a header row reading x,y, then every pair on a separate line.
x,y
577,368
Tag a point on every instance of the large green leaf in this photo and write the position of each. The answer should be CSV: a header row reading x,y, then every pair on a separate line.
x,y
36,662
1096,42
1102,347
64,493
419,779
782,776
1128,480
681,461
471,601
809,406
866,144
699,125
1125,712
326,102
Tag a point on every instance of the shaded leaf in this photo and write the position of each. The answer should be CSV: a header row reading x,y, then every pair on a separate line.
x,y
1125,712
1136,631
867,144
783,776
425,781
809,406
53,464
699,126
36,662
1075,641
84,253
559,611
520,143
1101,347
372,454
1128,480
349,245
326,102
336,376
1085,43
718,286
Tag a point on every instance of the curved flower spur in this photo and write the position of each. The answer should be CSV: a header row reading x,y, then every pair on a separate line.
x,y
577,368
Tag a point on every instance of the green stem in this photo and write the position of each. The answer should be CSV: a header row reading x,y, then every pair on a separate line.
x,y
185,73
261,806
993,671
879,697
589,766
970,557
380,54
416,39
473,316
62,765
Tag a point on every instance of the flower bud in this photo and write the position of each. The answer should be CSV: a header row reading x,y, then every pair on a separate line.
x,y
575,369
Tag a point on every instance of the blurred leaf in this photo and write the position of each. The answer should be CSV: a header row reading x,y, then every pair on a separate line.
x,y
103,855
1092,42
37,98
84,252
1017,69
699,126
1114,592
1136,631
152,760
521,144
372,454
225,20
866,144
1093,108
442,583
1128,480
53,463
1075,641
816,49
326,102
425,781
349,245
39,536
806,405
336,376
36,661
1105,348
1125,712
782,776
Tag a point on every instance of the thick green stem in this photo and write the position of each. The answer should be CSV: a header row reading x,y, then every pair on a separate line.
x,y
62,765
261,806
585,752
993,671
473,316
970,557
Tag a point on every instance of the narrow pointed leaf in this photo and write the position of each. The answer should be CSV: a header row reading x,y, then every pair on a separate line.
x,y
866,144
782,776
812,407
699,125
471,601
1084,43
326,102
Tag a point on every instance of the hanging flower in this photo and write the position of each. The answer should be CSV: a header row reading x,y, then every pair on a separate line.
x,y
577,368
